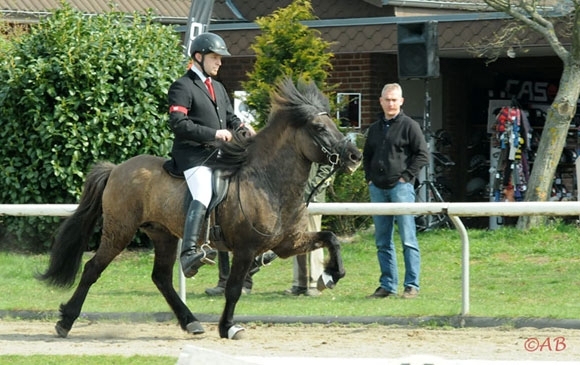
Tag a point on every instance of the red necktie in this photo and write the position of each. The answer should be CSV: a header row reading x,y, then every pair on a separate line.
x,y
210,88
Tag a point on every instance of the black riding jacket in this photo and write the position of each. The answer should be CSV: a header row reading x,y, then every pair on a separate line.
x,y
195,131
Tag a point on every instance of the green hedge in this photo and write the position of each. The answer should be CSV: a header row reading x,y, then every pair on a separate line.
x,y
76,90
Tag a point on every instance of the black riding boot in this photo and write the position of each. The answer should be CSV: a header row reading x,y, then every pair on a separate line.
x,y
191,259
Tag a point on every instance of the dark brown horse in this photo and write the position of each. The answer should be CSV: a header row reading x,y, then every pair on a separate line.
x,y
263,210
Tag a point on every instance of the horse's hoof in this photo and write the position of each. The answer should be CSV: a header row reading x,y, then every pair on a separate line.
x,y
325,281
236,332
195,328
61,331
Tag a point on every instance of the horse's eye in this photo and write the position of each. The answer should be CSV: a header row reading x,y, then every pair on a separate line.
x,y
319,128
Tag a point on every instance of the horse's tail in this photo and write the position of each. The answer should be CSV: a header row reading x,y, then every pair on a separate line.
x,y
72,237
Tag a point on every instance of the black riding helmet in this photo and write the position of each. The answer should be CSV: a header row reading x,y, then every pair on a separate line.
x,y
208,43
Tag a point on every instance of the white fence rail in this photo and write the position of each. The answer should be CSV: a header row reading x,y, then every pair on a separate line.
x,y
453,210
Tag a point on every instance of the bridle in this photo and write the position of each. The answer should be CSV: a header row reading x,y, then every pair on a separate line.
x,y
333,157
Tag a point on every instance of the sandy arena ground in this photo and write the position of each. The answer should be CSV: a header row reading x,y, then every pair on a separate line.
x,y
344,341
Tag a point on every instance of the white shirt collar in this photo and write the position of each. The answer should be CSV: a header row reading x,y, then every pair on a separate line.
x,y
199,73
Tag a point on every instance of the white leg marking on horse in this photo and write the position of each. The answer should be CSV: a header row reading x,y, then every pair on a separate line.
x,y
234,332
325,281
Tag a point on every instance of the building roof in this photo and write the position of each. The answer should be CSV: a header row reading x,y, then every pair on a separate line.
x,y
356,26
171,11
230,10
177,11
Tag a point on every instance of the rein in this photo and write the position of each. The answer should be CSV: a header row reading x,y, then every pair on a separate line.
x,y
332,172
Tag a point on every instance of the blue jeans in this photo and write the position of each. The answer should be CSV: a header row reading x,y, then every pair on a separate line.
x,y
384,229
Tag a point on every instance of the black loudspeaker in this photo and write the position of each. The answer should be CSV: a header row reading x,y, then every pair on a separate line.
x,y
418,55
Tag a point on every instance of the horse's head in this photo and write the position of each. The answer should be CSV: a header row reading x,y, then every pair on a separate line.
x,y
317,136
330,146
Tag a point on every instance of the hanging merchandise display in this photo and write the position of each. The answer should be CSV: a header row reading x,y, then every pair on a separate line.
x,y
511,138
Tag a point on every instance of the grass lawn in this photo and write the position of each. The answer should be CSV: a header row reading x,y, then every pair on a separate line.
x,y
513,274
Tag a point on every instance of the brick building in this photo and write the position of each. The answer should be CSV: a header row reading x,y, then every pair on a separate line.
x,y
365,44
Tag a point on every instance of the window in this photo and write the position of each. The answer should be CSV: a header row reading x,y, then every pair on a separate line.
x,y
348,113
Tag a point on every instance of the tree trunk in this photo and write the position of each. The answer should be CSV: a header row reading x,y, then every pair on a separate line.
x,y
553,140
563,107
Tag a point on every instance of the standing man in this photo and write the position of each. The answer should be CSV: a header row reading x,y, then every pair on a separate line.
x,y
304,281
393,155
200,113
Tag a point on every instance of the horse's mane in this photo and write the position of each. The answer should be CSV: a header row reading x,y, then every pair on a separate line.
x,y
291,105
296,104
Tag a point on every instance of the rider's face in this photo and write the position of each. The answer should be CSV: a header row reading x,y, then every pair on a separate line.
x,y
211,63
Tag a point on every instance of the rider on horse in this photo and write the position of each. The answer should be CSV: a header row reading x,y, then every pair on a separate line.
x,y
200,114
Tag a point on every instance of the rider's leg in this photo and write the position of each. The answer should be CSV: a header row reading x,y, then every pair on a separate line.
x,y
199,183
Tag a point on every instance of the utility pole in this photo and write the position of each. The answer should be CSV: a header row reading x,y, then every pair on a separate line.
x,y
197,22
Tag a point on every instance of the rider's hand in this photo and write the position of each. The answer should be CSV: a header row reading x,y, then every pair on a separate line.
x,y
223,135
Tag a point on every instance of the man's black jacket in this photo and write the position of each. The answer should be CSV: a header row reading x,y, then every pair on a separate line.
x,y
394,149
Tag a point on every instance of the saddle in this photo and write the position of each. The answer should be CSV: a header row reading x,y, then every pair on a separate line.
x,y
219,184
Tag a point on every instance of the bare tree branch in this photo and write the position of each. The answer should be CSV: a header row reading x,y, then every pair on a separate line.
x,y
526,12
511,35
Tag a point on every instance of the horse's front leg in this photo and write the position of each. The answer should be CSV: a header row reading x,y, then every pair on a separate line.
x,y
240,267
334,269
310,241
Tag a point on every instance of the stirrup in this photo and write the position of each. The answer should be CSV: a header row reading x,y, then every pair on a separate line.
x,y
205,259
266,258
